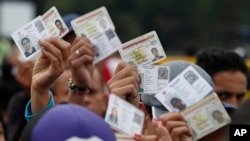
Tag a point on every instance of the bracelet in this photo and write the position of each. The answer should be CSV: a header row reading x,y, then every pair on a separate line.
x,y
77,89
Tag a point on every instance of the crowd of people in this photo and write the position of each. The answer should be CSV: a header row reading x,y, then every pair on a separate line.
x,y
63,95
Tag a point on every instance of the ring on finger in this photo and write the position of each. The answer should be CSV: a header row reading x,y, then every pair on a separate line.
x,y
77,52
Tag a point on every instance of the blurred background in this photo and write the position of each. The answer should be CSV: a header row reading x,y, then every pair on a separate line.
x,y
182,26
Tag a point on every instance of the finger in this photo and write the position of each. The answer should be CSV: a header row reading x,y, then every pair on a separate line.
x,y
125,92
171,116
170,125
53,50
179,132
125,72
55,64
83,50
81,60
120,66
62,45
79,42
163,134
147,138
124,82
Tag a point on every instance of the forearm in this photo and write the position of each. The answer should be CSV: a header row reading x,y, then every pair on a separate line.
x,y
39,99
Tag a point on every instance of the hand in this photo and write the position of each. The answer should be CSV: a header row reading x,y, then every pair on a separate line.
x,y
125,83
49,66
177,126
81,61
162,134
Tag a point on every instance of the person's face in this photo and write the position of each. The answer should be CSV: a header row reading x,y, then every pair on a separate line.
x,y
59,25
217,115
1,133
155,52
177,104
114,111
230,87
96,100
26,44
103,24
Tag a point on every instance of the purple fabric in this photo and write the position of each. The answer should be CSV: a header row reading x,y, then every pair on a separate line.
x,y
69,120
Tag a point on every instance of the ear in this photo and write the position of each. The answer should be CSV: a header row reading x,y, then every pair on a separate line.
x,y
147,119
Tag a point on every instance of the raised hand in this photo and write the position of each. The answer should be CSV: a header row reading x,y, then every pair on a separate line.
x,y
125,83
177,126
49,66
81,61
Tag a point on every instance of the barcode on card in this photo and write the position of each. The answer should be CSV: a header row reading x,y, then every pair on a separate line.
x,y
39,26
191,77
137,118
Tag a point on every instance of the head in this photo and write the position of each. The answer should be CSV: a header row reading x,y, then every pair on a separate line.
x,y
25,42
155,52
103,23
114,111
217,115
228,71
71,122
177,103
59,25
96,100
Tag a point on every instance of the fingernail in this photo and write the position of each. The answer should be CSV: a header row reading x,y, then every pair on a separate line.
x,y
68,44
156,119
137,136
162,124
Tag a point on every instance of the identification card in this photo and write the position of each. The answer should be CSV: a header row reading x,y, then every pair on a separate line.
x,y
124,117
206,116
153,78
26,38
143,50
54,23
99,28
184,90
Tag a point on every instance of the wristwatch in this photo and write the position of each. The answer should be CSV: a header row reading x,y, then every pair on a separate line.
x,y
78,90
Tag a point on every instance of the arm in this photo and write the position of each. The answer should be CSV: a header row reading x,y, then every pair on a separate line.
x,y
49,66
81,65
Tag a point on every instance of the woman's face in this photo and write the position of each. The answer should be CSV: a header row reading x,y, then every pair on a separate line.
x,y
114,111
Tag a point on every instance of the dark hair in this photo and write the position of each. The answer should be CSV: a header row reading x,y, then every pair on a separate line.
x,y
153,49
174,99
58,21
25,38
216,60
149,110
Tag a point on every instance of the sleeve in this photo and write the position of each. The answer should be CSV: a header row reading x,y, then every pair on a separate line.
x,y
28,113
